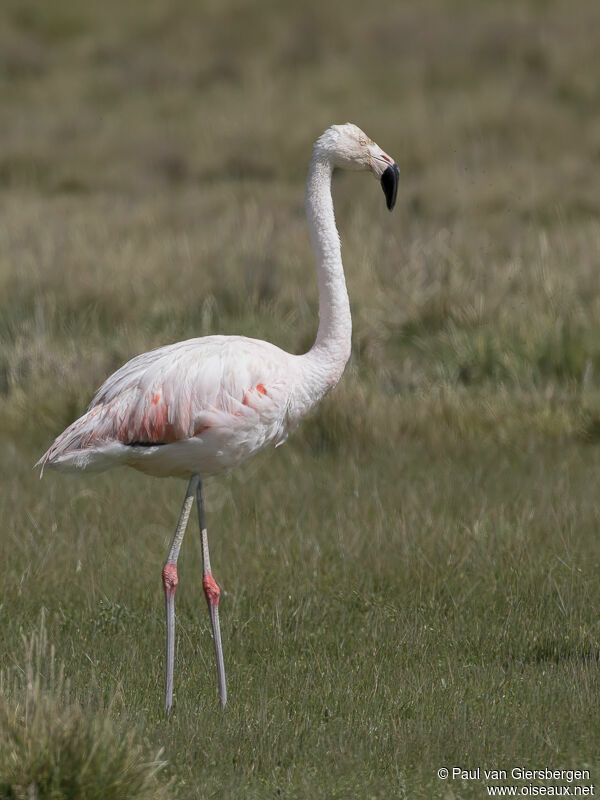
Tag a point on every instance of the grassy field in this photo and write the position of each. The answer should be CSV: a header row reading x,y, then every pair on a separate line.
x,y
412,582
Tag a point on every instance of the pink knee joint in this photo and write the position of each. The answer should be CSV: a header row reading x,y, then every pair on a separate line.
x,y
211,589
170,579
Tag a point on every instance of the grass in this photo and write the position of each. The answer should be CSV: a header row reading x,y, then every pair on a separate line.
x,y
412,581
53,746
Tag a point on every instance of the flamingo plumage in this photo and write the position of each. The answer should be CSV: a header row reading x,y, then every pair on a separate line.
x,y
201,407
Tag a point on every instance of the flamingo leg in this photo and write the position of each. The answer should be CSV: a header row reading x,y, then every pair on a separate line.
x,y
212,593
170,580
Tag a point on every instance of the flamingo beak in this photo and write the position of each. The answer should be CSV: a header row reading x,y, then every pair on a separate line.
x,y
389,184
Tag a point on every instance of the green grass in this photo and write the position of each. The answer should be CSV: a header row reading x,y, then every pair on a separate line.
x,y
412,581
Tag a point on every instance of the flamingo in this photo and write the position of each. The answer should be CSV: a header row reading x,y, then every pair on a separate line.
x,y
200,407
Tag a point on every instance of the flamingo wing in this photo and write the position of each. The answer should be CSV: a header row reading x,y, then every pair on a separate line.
x,y
180,391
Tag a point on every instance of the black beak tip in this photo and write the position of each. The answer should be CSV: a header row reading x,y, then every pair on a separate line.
x,y
389,184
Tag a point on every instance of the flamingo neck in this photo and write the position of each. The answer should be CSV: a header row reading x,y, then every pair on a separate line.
x,y
331,350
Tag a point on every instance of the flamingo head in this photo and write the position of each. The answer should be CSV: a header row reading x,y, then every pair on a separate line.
x,y
348,147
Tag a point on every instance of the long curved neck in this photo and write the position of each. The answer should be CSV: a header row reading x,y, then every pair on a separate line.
x,y
331,350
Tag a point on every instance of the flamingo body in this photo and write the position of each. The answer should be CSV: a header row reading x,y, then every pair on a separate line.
x,y
201,406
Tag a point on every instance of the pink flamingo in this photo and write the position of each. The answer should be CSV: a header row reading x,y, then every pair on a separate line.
x,y
200,407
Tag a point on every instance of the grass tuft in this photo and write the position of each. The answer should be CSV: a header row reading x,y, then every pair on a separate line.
x,y
54,746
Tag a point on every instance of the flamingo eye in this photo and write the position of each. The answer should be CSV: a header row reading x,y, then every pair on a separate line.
x,y
362,141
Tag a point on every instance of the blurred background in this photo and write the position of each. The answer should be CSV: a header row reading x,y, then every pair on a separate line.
x,y
152,166
441,503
